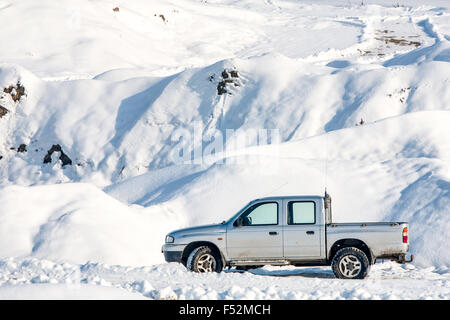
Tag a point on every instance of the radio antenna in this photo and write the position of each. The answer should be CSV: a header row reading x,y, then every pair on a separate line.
x,y
327,198
326,161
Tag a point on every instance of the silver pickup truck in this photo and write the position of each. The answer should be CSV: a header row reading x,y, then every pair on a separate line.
x,y
294,230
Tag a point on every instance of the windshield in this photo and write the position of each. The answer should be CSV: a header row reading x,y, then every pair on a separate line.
x,y
238,213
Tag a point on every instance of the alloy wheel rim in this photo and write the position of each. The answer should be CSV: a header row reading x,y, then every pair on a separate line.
x,y
206,263
350,266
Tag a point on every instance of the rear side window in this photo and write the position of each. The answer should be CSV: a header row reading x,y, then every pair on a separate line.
x,y
301,212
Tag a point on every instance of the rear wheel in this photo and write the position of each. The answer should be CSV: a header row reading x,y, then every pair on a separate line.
x,y
204,259
350,263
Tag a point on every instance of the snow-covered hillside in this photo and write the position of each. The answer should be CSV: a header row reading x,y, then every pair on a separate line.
x,y
121,121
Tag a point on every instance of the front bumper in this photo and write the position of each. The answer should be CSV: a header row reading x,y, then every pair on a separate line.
x,y
173,252
173,256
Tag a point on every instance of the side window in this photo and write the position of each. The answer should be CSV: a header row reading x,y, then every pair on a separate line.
x,y
261,214
301,212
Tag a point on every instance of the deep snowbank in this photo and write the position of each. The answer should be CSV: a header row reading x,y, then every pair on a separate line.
x,y
79,223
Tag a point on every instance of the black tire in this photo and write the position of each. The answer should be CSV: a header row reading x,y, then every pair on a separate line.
x,y
204,259
350,263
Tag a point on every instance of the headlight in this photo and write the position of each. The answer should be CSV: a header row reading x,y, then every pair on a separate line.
x,y
170,239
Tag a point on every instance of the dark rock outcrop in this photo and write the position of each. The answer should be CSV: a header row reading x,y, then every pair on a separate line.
x,y
16,92
63,157
22,148
3,111
228,77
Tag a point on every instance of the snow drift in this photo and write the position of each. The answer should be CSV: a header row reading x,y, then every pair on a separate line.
x,y
134,121
78,222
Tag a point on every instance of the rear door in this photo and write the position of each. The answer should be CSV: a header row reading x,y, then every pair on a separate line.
x,y
260,236
303,230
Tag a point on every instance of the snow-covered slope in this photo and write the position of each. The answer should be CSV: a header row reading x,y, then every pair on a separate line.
x,y
113,130
97,104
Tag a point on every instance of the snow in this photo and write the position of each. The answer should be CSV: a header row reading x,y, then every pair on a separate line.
x,y
23,277
79,223
116,90
64,292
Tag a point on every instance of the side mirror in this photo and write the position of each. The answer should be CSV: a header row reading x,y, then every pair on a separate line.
x,y
238,222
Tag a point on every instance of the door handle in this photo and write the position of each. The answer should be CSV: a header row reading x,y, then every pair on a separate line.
x,y
273,233
309,232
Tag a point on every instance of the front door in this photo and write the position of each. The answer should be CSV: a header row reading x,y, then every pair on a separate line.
x,y
256,233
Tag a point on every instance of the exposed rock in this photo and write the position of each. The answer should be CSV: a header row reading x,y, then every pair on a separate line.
x,y
228,77
162,17
63,157
221,88
16,92
3,111
22,148
234,74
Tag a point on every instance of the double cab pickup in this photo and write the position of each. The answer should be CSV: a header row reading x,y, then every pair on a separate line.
x,y
291,230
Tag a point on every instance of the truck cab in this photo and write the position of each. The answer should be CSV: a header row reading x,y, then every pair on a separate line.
x,y
276,229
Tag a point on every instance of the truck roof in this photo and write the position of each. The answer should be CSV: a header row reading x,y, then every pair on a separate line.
x,y
305,197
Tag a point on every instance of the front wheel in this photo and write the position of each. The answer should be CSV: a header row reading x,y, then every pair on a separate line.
x,y
350,263
204,259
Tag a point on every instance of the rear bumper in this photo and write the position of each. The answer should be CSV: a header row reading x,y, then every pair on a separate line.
x,y
400,258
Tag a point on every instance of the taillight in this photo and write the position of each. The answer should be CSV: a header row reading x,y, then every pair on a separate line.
x,y
405,235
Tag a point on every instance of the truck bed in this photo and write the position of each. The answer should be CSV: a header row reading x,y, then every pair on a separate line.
x,y
384,238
